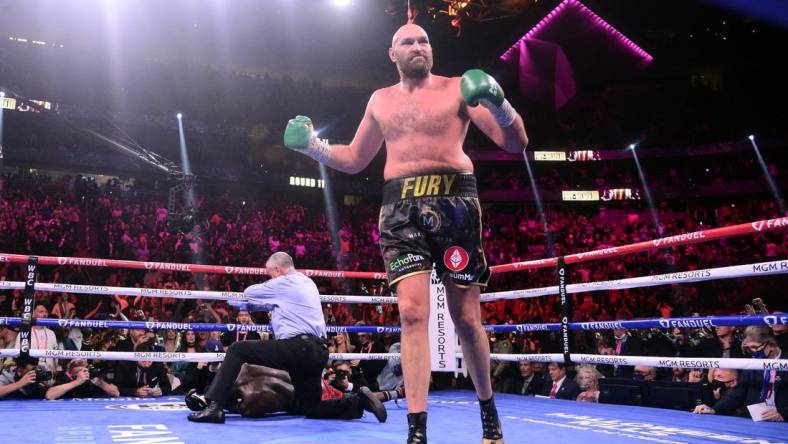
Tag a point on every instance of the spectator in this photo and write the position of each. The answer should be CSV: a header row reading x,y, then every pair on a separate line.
x,y
243,318
145,380
76,382
756,386
644,373
626,345
42,338
722,380
371,368
588,380
561,387
527,382
781,333
723,345
340,343
390,378
680,374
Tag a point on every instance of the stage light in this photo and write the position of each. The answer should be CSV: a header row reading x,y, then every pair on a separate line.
x,y
179,115
632,146
751,137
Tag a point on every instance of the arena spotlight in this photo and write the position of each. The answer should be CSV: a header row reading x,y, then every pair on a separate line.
x,y
632,146
767,175
179,116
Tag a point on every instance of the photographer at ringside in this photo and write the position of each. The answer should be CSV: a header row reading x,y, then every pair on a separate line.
x,y
81,381
25,381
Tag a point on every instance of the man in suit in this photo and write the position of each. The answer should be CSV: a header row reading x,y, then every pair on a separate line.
x,y
626,345
561,387
756,386
723,345
146,379
527,382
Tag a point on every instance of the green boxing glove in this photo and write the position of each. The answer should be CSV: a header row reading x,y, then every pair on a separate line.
x,y
480,88
300,136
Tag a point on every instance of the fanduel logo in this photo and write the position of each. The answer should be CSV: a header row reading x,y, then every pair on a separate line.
x,y
771,223
597,252
81,261
772,320
670,240
387,329
244,270
600,325
167,267
69,323
686,323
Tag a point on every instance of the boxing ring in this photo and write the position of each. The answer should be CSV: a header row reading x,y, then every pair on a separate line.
x,y
524,419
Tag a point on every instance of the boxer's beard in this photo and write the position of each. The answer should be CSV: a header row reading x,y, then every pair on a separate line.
x,y
415,70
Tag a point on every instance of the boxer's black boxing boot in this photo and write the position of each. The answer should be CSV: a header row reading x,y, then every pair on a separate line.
x,y
417,428
491,425
213,413
195,402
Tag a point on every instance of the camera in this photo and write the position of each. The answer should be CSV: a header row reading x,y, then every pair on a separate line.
x,y
43,375
96,372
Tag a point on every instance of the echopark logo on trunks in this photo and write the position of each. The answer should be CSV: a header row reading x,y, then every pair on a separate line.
x,y
455,258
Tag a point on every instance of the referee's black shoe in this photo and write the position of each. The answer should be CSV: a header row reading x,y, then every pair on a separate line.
x,y
369,402
213,413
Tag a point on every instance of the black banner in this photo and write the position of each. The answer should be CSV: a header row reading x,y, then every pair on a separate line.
x,y
28,303
566,309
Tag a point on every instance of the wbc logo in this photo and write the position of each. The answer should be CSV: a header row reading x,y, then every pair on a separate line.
x,y
456,258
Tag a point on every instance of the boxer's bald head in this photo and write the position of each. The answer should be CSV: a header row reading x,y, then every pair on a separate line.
x,y
411,51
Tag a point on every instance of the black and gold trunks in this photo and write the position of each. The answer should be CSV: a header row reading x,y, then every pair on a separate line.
x,y
431,219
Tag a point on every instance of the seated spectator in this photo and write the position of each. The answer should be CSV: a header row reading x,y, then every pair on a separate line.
x,y
756,386
370,368
561,387
172,341
680,374
42,338
722,380
7,338
193,375
146,379
244,318
527,382
588,380
390,378
340,343
644,373
76,382
21,382
723,345
626,345
781,333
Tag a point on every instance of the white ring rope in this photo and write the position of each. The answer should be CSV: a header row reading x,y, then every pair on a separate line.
x,y
652,361
708,274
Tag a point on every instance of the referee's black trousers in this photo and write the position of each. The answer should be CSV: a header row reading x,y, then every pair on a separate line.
x,y
303,357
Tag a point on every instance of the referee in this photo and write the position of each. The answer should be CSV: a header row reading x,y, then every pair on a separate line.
x,y
300,347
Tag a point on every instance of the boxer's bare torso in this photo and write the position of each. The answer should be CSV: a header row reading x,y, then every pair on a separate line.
x,y
423,129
